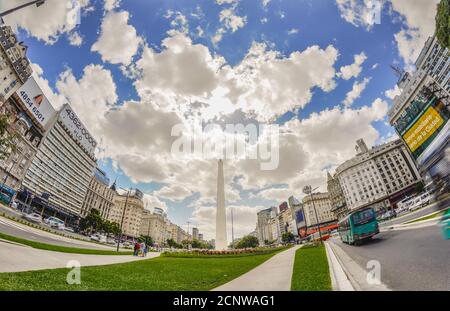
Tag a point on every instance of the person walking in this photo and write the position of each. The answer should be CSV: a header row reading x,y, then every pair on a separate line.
x,y
143,249
137,246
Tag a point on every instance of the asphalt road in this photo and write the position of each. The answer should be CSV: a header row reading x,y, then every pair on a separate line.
x,y
22,231
416,259
434,207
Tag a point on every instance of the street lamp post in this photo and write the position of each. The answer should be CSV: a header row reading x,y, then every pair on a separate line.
x,y
7,12
232,229
309,191
121,222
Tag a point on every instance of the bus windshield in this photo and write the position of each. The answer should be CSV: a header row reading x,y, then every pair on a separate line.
x,y
363,217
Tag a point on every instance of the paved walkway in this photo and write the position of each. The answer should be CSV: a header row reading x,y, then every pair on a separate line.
x,y
16,257
273,275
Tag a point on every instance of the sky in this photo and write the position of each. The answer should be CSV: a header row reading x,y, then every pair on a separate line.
x,y
134,69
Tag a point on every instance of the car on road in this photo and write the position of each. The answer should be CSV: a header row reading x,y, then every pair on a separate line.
x,y
69,229
446,225
33,217
55,222
416,204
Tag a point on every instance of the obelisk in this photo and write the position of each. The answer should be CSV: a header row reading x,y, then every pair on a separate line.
x,y
221,220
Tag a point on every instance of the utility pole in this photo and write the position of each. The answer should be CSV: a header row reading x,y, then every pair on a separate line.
x,y
123,216
7,12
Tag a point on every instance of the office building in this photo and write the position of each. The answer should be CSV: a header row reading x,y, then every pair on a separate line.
x,y
60,172
263,228
318,203
195,233
156,225
127,211
100,195
15,67
337,198
379,177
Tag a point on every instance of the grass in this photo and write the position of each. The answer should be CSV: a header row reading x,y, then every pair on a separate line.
x,y
63,249
200,255
157,274
426,217
311,272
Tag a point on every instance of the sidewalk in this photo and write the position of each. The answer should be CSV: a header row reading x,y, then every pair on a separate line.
x,y
16,258
273,275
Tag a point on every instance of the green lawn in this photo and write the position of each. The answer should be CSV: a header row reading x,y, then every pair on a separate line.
x,y
311,270
63,249
439,214
158,274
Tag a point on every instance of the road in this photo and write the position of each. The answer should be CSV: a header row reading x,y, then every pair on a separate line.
x,y
16,258
416,259
434,207
13,228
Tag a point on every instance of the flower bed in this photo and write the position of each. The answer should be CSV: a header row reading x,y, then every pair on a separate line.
x,y
221,253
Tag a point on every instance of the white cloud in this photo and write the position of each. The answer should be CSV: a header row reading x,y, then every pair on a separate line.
x,y
353,70
118,41
231,20
265,3
48,21
355,93
90,103
359,12
293,31
75,39
392,93
111,4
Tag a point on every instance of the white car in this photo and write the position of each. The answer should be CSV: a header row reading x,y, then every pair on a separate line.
x,y
417,203
68,229
33,217
55,223
95,237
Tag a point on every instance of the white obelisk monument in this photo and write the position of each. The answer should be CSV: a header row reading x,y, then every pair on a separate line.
x,y
221,219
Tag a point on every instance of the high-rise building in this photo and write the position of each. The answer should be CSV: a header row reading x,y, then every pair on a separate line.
x,y
337,198
100,195
318,203
379,177
263,228
195,233
127,211
15,67
60,173
221,220
420,114
200,236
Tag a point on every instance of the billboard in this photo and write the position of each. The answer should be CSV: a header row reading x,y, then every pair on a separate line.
x,y
283,206
423,125
35,101
77,129
300,218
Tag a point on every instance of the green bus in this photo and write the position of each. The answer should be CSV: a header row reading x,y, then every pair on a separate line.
x,y
358,226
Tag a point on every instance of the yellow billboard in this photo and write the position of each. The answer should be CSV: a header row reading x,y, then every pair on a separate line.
x,y
423,128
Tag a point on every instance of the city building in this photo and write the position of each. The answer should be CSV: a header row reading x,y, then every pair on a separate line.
x,y
127,211
379,177
156,225
195,233
15,67
60,173
420,114
100,195
337,198
200,236
318,203
28,136
263,228
299,216
283,206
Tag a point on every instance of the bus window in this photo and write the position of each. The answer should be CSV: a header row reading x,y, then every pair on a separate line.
x,y
363,217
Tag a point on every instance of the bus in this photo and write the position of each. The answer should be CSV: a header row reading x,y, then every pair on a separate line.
x,y
6,194
358,226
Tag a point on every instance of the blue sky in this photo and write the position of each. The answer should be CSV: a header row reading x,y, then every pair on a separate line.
x,y
283,26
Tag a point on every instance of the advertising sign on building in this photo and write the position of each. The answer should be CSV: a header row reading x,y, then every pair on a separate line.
x,y
283,206
423,126
35,101
77,129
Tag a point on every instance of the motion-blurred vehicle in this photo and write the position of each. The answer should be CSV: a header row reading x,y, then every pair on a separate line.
x,y
33,217
446,225
69,229
55,222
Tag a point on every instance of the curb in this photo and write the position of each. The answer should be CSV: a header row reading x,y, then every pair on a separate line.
x,y
339,279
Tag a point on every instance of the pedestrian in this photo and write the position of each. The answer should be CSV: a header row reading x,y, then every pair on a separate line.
x,y
137,246
143,249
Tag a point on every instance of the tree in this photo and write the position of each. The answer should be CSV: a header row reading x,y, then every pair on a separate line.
x,y
247,241
6,139
287,237
93,222
443,23
148,240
